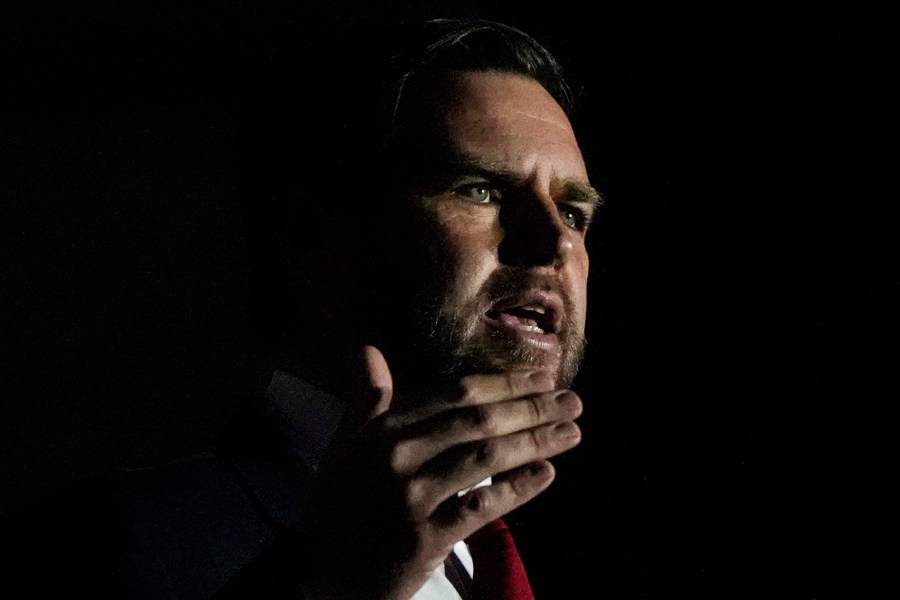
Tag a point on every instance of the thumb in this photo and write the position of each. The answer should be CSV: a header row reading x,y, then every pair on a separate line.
x,y
378,380
378,385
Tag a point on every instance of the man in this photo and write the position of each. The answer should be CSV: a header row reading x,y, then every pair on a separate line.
x,y
435,225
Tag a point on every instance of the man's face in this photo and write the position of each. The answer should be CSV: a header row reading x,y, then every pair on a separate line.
x,y
504,212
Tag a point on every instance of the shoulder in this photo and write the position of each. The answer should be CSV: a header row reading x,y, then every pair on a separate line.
x,y
178,530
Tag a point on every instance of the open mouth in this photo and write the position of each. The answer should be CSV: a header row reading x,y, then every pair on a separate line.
x,y
533,318
530,317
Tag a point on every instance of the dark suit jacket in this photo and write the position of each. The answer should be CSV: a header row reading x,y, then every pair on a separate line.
x,y
214,525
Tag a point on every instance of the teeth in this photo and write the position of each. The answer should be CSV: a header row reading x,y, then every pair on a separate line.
x,y
532,328
535,308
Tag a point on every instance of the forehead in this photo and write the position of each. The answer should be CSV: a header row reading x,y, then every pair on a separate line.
x,y
506,97
504,121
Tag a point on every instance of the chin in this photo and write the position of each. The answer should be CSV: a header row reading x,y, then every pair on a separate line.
x,y
464,343
497,355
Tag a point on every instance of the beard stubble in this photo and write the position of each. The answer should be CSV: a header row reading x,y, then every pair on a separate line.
x,y
461,343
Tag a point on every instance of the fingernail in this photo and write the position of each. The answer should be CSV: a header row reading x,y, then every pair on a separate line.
x,y
568,400
566,429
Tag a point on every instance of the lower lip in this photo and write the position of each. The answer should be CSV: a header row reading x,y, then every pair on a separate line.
x,y
512,328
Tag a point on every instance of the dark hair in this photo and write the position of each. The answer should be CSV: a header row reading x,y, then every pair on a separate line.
x,y
468,45
481,45
358,89
388,64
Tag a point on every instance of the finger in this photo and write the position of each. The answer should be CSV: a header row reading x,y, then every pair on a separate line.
x,y
378,381
465,466
475,390
426,440
483,389
460,516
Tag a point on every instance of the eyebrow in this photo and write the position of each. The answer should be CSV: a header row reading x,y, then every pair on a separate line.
x,y
580,192
575,191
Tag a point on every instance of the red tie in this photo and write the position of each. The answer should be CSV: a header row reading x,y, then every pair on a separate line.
x,y
499,573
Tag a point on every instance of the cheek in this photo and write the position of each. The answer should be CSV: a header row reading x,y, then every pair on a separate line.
x,y
467,251
580,268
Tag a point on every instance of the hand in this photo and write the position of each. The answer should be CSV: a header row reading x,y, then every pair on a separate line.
x,y
390,503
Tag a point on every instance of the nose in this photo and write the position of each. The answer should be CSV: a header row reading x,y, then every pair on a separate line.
x,y
533,232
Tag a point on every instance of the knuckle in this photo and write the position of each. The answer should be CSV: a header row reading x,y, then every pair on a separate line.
x,y
398,456
523,486
478,501
519,487
538,381
413,493
513,383
487,453
466,389
537,437
416,500
536,408
483,419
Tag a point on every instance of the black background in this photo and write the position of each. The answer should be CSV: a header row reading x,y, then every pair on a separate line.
x,y
738,432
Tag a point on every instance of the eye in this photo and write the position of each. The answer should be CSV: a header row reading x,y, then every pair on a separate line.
x,y
573,218
478,193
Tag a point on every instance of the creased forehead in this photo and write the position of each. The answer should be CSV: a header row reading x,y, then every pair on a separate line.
x,y
509,122
521,96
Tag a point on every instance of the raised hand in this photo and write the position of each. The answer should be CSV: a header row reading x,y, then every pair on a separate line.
x,y
400,485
